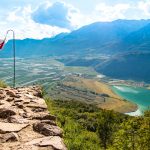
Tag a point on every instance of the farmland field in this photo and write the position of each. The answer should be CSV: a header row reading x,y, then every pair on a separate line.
x,y
43,71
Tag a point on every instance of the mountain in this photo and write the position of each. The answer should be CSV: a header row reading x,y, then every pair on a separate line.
x,y
100,37
134,66
138,40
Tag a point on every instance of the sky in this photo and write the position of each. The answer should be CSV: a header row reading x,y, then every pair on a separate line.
x,y
39,19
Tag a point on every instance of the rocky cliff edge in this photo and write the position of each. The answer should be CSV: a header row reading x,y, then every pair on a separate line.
x,y
25,123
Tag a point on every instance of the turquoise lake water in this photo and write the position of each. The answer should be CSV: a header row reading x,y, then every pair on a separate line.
x,y
139,96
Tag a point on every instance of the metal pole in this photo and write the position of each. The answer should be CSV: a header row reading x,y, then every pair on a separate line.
x,y
14,54
14,57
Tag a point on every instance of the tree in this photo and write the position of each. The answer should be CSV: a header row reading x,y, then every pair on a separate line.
x,y
105,128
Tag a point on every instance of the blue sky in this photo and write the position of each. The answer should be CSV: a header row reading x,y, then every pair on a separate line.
x,y
46,18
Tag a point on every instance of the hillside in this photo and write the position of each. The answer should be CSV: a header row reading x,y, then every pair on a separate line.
x,y
136,41
133,66
100,37
88,127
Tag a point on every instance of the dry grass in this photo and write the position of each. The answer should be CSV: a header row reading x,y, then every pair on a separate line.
x,y
114,102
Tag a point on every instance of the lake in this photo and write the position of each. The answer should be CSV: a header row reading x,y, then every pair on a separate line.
x,y
139,96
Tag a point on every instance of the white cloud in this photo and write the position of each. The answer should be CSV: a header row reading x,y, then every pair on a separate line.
x,y
54,15
20,20
108,12
145,7
19,17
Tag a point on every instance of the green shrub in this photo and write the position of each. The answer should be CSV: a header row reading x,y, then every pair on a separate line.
x,y
3,84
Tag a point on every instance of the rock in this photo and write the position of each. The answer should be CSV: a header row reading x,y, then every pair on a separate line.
x,y
11,93
17,96
18,100
50,122
47,130
37,106
2,96
38,109
17,119
9,137
10,99
30,147
4,104
11,127
44,116
38,94
22,111
4,113
1,91
29,96
19,105
55,141
26,101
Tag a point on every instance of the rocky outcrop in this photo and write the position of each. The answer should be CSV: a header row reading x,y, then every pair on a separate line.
x,y
25,123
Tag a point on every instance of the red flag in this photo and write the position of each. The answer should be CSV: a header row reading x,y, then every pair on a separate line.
x,y
2,42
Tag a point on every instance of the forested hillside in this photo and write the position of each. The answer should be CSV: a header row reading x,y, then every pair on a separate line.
x,y
87,127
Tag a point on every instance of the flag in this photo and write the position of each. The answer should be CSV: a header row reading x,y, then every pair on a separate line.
x,y
2,42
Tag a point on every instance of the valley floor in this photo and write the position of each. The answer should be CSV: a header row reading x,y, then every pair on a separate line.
x,y
92,92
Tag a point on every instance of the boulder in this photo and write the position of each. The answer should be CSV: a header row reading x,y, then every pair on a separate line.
x,y
55,141
47,130
17,119
9,137
11,127
4,113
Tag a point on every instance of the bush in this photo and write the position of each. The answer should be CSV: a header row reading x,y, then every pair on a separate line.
x,y
3,84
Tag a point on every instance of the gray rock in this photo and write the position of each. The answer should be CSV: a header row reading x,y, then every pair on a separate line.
x,y
50,122
47,130
44,116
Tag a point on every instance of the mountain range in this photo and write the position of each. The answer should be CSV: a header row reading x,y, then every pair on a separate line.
x,y
125,42
97,38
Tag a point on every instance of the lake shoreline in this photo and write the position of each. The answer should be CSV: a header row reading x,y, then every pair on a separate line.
x,y
136,95
135,113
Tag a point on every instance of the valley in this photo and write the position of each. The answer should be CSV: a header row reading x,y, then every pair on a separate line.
x,y
86,64
69,82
